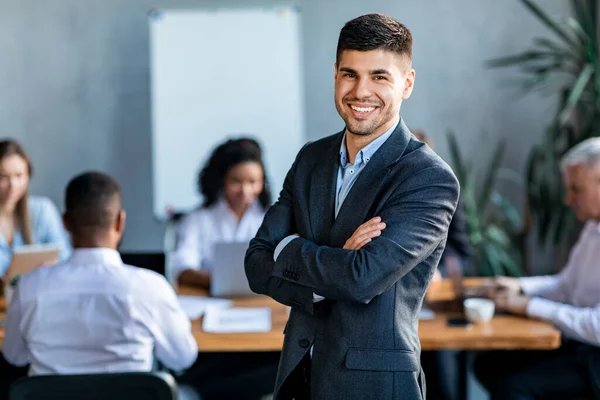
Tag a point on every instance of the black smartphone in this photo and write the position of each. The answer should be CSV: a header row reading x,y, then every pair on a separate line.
x,y
458,322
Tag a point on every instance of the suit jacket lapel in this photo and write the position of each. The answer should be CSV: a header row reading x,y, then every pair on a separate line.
x,y
323,190
361,197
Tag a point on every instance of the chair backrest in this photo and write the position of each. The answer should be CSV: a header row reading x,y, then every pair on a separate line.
x,y
117,386
152,261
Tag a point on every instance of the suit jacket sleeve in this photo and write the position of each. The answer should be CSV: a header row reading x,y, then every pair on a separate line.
x,y
259,264
417,216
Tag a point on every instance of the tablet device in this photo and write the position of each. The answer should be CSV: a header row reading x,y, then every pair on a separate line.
x,y
27,258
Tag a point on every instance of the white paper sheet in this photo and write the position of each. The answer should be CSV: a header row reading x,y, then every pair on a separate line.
x,y
195,306
237,320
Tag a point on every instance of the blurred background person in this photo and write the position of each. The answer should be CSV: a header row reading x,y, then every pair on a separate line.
x,y
570,300
93,314
236,195
24,219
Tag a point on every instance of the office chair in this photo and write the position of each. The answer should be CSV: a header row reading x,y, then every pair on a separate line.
x,y
113,386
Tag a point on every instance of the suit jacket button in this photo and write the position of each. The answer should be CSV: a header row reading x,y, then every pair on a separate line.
x,y
304,343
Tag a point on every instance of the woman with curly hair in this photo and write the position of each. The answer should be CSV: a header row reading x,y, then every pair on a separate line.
x,y
236,195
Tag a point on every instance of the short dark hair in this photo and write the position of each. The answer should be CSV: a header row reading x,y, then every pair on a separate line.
x,y
226,156
373,32
89,202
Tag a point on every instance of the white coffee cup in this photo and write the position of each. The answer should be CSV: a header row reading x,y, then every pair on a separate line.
x,y
479,310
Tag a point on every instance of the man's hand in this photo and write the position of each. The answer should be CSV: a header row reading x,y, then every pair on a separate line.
x,y
512,302
365,233
506,284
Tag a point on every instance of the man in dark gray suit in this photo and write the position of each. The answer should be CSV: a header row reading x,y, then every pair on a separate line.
x,y
356,287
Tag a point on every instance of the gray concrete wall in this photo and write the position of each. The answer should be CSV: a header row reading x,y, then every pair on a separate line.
x,y
74,84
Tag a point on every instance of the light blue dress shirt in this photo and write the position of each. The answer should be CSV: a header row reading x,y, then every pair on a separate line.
x,y
46,228
347,175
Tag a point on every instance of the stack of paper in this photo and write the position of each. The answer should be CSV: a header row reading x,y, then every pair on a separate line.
x,y
237,320
195,306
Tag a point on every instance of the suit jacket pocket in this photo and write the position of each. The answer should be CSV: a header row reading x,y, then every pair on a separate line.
x,y
382,360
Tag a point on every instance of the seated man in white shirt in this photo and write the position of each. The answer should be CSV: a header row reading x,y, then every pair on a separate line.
x,y
92,313
570,300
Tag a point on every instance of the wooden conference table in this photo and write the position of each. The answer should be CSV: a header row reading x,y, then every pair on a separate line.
x,y
503,332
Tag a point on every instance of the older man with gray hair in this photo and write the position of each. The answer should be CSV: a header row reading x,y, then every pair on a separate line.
x,y
570,300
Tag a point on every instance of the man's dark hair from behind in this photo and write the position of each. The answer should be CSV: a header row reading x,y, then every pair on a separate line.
x,y
93,201
375,32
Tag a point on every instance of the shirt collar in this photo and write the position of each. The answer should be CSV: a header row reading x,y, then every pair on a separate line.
x,y
95,256
366,153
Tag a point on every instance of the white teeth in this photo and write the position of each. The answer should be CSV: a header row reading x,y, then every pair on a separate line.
x,y
362,109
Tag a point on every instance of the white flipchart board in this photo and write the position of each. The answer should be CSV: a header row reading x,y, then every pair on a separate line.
x,y
219,73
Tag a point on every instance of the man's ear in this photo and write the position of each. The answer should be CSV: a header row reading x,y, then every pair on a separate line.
x,y
120,222
335,71
409,84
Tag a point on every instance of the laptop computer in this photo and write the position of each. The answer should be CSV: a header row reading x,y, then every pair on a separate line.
x,y
228,277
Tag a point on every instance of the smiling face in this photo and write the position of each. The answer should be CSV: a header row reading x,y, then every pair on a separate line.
x,y
369,89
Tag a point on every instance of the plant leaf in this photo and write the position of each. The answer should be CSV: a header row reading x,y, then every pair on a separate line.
x,y
490,177
457,160
508,209
520,58
558,48
493,259
578,88
497,235
583,16
511,267
578,29
549,22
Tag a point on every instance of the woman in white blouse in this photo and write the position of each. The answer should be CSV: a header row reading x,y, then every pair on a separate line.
x,y
236,194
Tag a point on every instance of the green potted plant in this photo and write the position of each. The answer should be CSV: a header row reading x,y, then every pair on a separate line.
x,y
493,222
569,62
